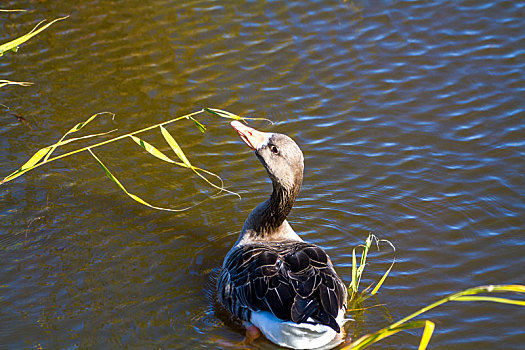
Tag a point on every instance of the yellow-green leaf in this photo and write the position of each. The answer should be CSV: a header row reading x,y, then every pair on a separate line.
x,y
35,158
4,82
427,334
492,299
372,338
201,127
75,129
175,146
380,283
14,43
226,114
131,195
354,272
223,114
27,165
154,151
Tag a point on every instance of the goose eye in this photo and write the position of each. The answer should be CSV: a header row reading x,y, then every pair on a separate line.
x,y
274,150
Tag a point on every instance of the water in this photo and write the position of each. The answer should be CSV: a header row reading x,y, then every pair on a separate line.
x,y
410,116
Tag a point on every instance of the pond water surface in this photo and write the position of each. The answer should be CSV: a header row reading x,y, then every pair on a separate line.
x,y
410,115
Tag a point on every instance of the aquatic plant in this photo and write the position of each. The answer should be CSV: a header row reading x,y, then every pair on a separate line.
x,y
43,155
470,294
14,44
357,270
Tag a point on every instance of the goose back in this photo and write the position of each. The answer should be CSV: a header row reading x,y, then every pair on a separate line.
x,y
295,281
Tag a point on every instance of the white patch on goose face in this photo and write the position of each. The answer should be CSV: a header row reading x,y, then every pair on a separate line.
x,y
266,140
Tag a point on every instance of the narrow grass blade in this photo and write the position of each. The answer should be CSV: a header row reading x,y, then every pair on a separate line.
x,y
41,153
380,283
354,272
223,114
372,338
61,143
154,151
109,174
468,292
133,196
13,44
362,264
36,158
4,82
175,146
220,188
427,334
75,129
492,299
201,127
1,10
357,271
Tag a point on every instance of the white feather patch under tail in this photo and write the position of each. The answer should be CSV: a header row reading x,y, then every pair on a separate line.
x,y
297,335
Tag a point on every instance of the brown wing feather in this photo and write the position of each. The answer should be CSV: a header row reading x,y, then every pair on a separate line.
x,y
295,281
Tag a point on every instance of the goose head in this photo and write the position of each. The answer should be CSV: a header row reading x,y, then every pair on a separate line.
x,y
284,163
278,153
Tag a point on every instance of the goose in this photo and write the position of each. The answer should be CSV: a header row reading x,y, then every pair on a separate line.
x,y
271,280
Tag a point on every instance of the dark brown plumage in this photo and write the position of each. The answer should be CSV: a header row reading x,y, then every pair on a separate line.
x,y
294,280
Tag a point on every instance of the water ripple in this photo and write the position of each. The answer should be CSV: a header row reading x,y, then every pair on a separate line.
x,y
409,115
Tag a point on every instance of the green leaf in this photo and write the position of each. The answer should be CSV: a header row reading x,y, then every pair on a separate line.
x,y
35,158
353,284
41,153
154,151
381,334
465,295
178,151
13,44
175,146
380,283
225,114
427,334
201,127
222,114
131,195
75,129
492,299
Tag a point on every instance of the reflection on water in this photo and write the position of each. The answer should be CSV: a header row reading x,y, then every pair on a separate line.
x,y
410,116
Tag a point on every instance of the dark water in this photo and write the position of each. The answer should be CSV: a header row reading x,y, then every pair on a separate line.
x,y
410,115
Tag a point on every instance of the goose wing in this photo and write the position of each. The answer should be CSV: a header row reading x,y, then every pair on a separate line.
x,y
294,281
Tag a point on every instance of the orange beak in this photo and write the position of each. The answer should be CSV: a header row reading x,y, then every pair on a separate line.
x,y
253,138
